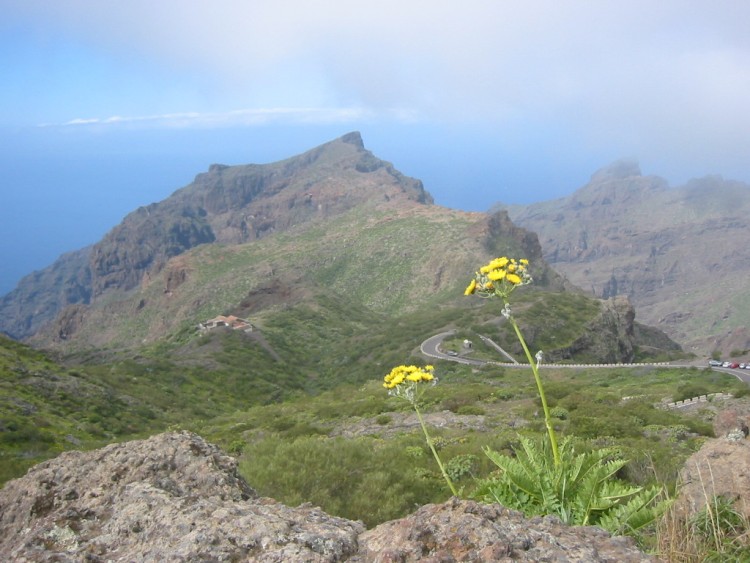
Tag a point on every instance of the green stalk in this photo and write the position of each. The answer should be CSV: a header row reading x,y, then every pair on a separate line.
x,y
434,452
540,388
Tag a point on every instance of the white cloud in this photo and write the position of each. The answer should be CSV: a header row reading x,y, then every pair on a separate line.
x,y
641,75
237,117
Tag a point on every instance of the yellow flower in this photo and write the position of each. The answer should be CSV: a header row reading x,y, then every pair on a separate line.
x,y
496,275
499,277
413,374
499,262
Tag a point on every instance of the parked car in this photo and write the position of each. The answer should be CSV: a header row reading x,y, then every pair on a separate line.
x,y
714,363
734,365
726,364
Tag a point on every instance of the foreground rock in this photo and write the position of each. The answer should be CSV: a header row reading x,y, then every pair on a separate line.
x,y
175,497
469,531
172,497
720,468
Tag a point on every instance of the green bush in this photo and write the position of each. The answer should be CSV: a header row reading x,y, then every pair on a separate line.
x,y
383,419
690,390
461,466
365,478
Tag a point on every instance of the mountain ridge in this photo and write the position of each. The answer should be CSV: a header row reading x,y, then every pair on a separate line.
x,y
227,204
678,253
331,229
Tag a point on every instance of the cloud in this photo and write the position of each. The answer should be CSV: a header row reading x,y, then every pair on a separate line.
x,y
242,117
635,74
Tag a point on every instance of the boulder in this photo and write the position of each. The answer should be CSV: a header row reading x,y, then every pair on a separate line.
x,y
720,468
174,497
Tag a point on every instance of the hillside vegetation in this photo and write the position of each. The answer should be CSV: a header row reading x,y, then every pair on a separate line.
x,y
342,265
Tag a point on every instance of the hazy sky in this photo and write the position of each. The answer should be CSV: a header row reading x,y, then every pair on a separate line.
x,y
105,106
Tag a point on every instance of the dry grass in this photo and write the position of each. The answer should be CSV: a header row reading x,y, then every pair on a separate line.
x,y
719,531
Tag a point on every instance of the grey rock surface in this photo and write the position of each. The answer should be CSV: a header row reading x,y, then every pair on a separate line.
x,y
460,530
174,497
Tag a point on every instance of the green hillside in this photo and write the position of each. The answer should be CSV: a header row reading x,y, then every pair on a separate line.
x,y
332,303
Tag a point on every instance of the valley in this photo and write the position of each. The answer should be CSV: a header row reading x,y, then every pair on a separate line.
x,y
336,268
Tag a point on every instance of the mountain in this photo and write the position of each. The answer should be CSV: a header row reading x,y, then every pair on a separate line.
x,y
322,253
226,205
680,254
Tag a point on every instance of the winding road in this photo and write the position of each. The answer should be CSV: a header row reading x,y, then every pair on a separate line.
x,y
431,349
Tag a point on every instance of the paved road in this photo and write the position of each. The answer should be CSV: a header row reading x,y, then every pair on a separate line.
x,y
741,374
431,349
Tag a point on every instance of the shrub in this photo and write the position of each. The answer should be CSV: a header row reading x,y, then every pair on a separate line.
x,y
364,478
690,390
460,466
383,419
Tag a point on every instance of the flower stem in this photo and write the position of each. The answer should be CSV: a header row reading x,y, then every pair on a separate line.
x,y
540,388
434,451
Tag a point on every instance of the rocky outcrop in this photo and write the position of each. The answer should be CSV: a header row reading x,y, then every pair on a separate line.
x,y
170,498
720,468
614,336
502,237
175,497
144,241
470,531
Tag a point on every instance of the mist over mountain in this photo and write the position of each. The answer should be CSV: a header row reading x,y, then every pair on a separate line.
x,y
680,254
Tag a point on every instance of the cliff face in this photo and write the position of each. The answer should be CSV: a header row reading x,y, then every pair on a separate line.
x,y
679,254
227,204
237,204
38,298
176,497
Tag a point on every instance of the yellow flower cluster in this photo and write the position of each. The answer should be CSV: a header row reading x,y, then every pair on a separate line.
x,y
400,374
500,277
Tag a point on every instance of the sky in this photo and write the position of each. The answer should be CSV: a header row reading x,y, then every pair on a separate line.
x,y
106,106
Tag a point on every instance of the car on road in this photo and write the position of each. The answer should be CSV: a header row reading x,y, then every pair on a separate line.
x,y
452,353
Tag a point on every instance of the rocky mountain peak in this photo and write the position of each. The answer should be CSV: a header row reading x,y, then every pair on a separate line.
x,y
354,138
620,169
226,204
